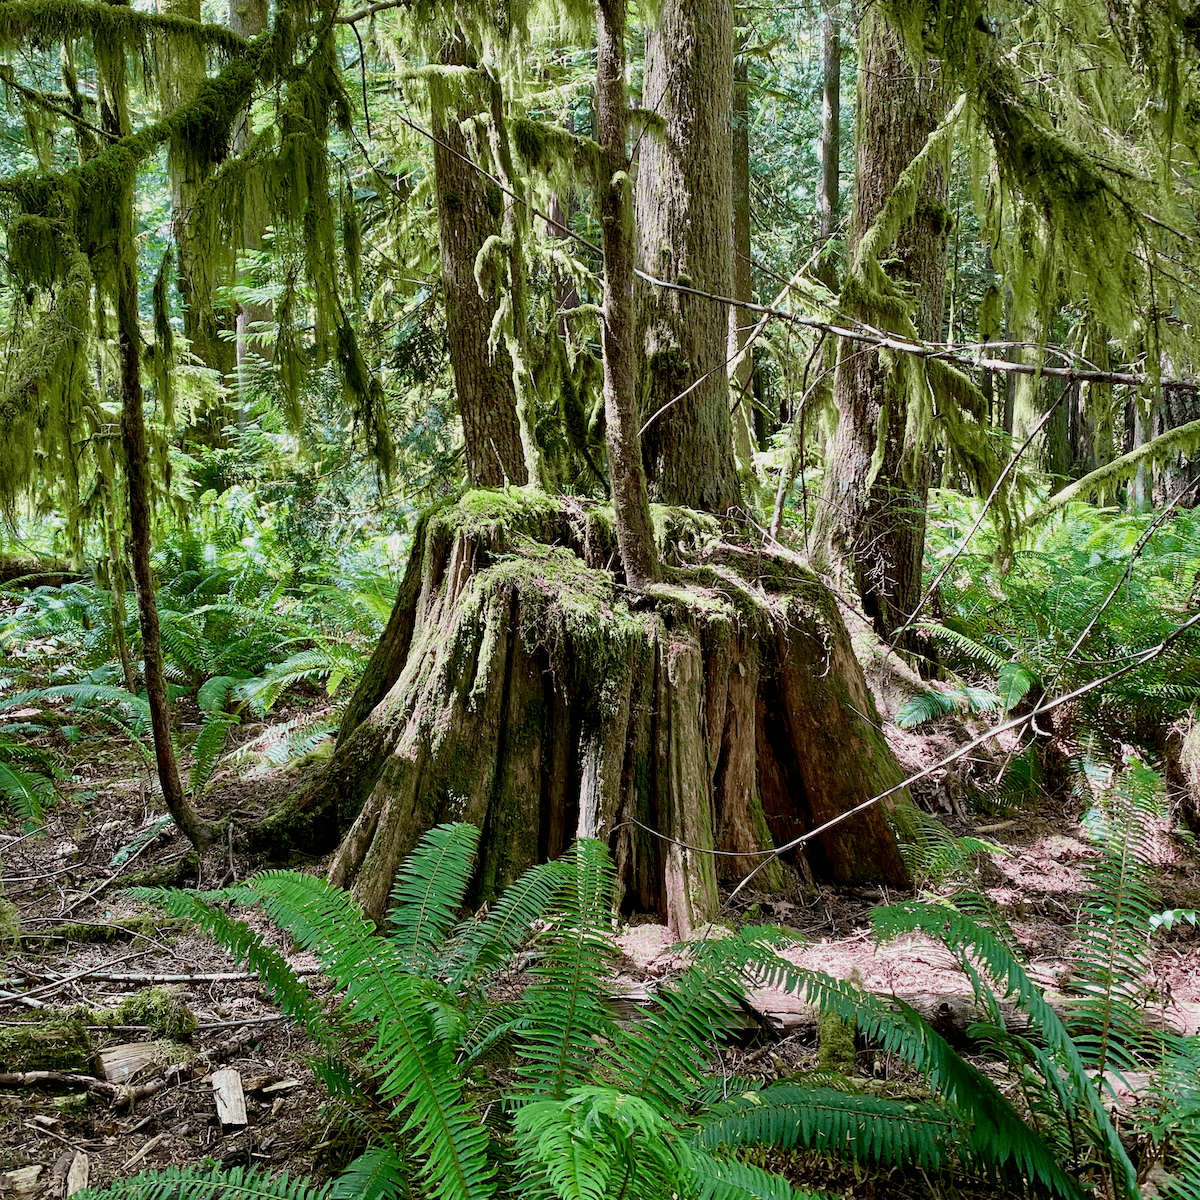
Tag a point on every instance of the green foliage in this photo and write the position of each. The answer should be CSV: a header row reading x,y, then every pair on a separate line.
x,y
27,773
597,1109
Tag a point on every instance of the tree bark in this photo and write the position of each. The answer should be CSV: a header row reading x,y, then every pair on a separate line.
x,y
684,216
469,212
740,321
829,193
870,527
538,702
631,502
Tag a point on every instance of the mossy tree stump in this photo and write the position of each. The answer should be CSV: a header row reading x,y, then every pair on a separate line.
x,y
519,686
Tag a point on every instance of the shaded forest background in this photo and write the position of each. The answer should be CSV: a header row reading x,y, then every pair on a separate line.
x,y
742,439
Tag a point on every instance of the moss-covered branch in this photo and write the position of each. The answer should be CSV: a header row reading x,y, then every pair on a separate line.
x,y
1183,440
50,22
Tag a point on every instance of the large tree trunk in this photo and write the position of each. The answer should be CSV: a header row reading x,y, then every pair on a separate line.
x,y
542,702
684,217
870,528
469,211
740,320
631,502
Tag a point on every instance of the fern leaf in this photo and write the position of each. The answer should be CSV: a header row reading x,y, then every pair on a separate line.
x,y
201,1183
964,937
381,1173
430,886
1012,683
666,1055
483,943
409,1054
208,746
863,1128
728,1179
564,1003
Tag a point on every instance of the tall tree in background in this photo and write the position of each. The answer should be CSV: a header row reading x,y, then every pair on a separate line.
x,y
469,211
684,216
870,526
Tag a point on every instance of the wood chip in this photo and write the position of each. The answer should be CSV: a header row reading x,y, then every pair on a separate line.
x,y
77,1176
150,1145
284,1085
23,1182
119,1063
231,1099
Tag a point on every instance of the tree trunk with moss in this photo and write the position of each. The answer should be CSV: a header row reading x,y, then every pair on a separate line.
x,y
520,687
470,208
684,218
870,526
631,501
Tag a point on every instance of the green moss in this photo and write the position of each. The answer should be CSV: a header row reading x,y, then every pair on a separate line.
x,y
168,875
835,1044
124,930
157,1007
49,1044
10,928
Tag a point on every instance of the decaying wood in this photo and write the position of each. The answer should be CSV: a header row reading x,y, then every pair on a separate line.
x,y
70,1173
124,1061
230,1098
529,693
21,1183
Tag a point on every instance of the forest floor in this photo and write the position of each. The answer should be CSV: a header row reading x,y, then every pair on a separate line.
x,y
87,947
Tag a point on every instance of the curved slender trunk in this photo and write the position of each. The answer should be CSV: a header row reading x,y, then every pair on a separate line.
x,y
137,472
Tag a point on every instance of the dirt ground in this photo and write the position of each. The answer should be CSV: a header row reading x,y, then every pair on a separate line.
x,y
66,881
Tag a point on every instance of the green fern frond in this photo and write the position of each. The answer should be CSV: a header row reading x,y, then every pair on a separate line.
x,y
381,1173
409,1054
975,944
666,1055
861,1128
201,1183
728,1179
930,705
27,791
1112,959
599,1142
207,749
933,854
972,650
430,886
485,942
286,988
564,1003
215,693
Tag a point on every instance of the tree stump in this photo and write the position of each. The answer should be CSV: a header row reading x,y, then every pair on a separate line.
x,y
521,687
